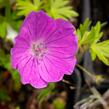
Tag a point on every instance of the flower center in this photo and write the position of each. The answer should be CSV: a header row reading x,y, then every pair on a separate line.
x,y
39,50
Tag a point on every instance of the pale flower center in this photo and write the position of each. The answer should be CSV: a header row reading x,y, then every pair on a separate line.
x,y
39,50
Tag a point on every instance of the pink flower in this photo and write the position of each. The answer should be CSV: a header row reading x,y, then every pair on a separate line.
x,y
44,50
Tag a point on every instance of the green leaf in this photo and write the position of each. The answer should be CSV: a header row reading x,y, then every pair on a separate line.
x,y
4,59
60,9
101,50
58,104
5,19
3,27
95,34
4,95
87,36
93,54
16,79
26,6
7,10
2,3
45,92
85,26
82,31
37,2
5,63
90,39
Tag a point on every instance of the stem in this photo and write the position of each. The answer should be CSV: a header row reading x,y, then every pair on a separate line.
x,y
93,89
67,82
87,72
78,85
99,97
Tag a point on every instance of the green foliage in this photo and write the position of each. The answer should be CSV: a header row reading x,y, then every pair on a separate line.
x,y
60,9
101,50
90,38
55,8
2,3
3,28
17,107
58,104
95,33
26,6
16,79
45,92
3,23
8,19
4,59
87,36
4,95
82,32
5,63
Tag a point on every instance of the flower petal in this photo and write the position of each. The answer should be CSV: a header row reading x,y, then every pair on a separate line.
x,y
21,42
28,29
49,72
64,24
17,55
30,74
36,80
63,48
62,29
64,65
35,24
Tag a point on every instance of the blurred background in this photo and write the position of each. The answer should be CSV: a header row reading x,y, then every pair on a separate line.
x,y
77,91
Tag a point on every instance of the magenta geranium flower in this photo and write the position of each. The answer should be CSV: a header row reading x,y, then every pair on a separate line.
x,y
44,50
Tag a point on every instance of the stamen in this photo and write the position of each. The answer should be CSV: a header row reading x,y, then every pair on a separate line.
x,y
39,50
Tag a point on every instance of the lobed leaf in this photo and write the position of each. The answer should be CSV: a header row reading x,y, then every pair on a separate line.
x,y
60,9
82,31
101,50
26,6
90,38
